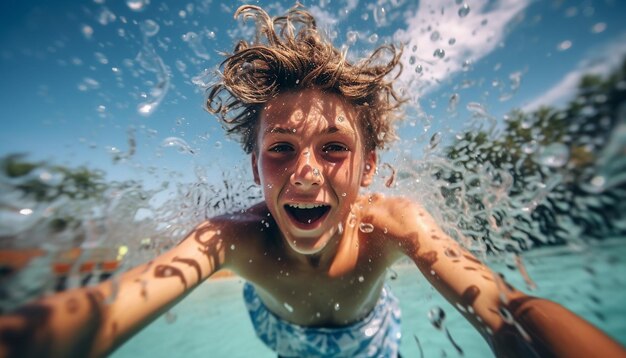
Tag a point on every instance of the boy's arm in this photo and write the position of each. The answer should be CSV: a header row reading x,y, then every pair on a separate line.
x,y
513,323
95,320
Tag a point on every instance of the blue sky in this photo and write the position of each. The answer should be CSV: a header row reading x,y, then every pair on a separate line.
x,y
75,74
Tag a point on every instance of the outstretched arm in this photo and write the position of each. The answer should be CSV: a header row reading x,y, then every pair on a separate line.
x,y
514,324
93,321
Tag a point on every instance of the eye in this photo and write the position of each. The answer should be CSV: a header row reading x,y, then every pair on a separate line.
x,y
335,147
281,148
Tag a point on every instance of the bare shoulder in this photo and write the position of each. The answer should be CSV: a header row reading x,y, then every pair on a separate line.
x,y
233,236
404,224
396,213
246,221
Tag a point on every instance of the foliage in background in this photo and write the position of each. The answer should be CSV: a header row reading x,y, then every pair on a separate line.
x,y
563,170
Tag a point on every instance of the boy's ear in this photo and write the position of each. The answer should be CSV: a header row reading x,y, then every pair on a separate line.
x,y
255,169
370,168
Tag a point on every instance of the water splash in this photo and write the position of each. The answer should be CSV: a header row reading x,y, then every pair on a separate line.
x,y
149,28
195,42
366,228
137,5
150,61
464,10
288,307
555,155
439,53
178,143
437,316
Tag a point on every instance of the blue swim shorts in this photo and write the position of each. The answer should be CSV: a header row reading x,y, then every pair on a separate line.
x,y
377,335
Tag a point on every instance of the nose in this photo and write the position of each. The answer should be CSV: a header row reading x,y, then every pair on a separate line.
x,y
307,173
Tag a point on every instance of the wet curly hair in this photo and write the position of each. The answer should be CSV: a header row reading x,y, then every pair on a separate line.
x,y
290,53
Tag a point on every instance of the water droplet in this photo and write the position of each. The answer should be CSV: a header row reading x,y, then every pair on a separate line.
x,y
598,28
380,15
477,109
435,140
247,66
170,317
288,307
100,57
555,155
373,38
506,315
451,41
137,5
87,31
195,43
88,83
351,220
467,65
361,279
452,253
149,28
565,45
177,143
530,147
146,108
366,228
26,211
105,17
418,69
352,36
337,306
598,182
435,36
439,53
464,10
232,247
436,316
453,102
392,176
340,119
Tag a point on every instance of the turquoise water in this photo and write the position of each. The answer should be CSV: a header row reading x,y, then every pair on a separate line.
x,y
213,322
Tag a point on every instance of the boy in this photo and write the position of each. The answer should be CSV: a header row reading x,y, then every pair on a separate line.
x,y
314,252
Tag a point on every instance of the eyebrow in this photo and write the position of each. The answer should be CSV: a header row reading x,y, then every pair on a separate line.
x,y
283,130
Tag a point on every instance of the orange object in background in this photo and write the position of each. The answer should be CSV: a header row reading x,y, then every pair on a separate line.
x,y
105,259
14,260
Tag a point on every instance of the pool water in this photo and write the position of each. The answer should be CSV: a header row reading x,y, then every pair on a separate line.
x,y
213,321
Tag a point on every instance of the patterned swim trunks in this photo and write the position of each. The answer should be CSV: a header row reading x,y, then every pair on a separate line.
x,y
377,335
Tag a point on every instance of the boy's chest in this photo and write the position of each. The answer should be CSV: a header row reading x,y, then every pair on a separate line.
x,y
315,298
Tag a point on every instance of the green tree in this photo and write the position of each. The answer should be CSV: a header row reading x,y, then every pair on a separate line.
x,y
563,150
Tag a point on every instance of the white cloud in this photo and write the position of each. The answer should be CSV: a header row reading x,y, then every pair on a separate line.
x,y
324,18
600,61
437,25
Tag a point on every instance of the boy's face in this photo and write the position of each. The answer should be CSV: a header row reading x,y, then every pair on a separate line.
x,y
310,161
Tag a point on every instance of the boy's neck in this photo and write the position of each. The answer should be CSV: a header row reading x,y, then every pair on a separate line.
x,y
339,255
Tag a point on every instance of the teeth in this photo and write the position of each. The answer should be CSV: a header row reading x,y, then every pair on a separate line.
x,y
305,206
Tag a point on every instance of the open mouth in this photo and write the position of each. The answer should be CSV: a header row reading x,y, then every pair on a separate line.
x,y
307,214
